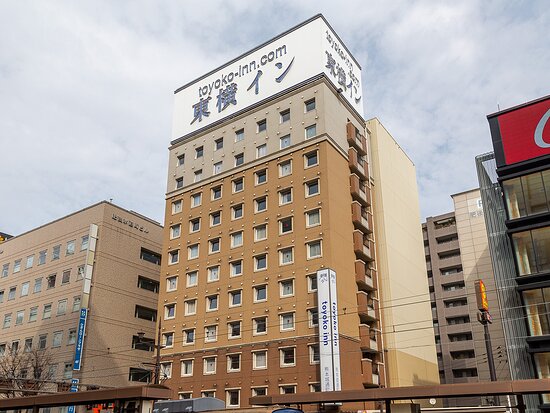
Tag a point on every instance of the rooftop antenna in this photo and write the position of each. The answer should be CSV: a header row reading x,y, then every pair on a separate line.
x,y
498,106
110,200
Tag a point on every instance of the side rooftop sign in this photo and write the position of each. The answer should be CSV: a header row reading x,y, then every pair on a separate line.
x,y
297,55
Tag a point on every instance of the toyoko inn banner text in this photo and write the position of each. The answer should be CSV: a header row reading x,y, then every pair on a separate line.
x,y
296,56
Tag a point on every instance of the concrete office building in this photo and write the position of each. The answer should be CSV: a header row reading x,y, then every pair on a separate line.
x,y
100,264
515,183
457,254
266,188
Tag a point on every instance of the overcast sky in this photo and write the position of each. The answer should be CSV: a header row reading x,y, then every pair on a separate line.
x,y
86,87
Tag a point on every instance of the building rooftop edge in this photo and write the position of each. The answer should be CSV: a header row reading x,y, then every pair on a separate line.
x,y
465,192
521,105
391,136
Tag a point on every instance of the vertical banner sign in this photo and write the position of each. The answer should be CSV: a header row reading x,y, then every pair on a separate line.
x,y
80,338
74,388
329,343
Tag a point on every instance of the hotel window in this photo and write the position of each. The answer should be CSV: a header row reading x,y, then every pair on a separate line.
x,y
198,175
196,200
209,365
284,142
261,151
232,398
532,249
312,187
5,270
194,225
238,185
259,391
72,336
186,368
287,357
537,307
314,387
309,105
214,245
173,257
313,218
169,311
311,159
11,293
7,320
148,284
28,345
286,256
193,251
236,268
210,333
287,389
41,259
260,262
33,314
237,239
216,192
235,298
57,339
181,159
65,277
62,307
185,395
190,307
42,341
260,293
17,265
234,329
313,317
189,336
70,247
172,283
239,159
259,325
286,288
285,168
212,302
527,195
168,339
285,225
218,144
192,278
311,131
165,370
237,211
261,204
84,243
19,317
213,273
25,289
287,321
1,296
176,206
80,272
314,249
262,125
285,115
179,182
218,167
239,135
76,304
30,261
261,176
199,152
260,232
175,231
259,360
215,218
51,280
285,196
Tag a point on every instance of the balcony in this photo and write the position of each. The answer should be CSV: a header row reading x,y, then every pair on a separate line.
x,y
363,276
370,378
364,248
365,307
355,139
368,343
359,192
357,163
450,261
360,218
448,246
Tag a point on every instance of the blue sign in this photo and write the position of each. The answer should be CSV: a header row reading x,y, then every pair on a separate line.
x,y
74,388
80,338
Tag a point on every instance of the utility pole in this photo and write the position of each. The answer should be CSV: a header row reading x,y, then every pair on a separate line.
x,y
157,359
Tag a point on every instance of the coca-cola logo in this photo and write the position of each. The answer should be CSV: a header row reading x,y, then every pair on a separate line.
x,y
539,140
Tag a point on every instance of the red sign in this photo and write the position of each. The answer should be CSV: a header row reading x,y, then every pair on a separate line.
x,y
481,296
525,132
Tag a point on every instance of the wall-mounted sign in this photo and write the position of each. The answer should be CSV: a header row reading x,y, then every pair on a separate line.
x,y
130,223
481,296
80,338
295,56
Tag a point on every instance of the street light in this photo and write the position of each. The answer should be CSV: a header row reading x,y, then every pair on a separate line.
x,y
156,346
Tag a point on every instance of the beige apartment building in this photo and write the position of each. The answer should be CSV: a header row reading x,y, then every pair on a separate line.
x,y
257,204
101,265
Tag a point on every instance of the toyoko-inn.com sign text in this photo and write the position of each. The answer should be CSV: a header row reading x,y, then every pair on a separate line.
x,y
301,54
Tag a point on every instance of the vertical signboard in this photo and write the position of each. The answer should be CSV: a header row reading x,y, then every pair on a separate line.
x,y
329,341
74,388
80,338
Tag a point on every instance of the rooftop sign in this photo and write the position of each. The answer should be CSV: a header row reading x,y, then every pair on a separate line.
x,y
297,55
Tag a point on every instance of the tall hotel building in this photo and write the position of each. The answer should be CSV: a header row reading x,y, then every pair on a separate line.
x,y
277,187
515,183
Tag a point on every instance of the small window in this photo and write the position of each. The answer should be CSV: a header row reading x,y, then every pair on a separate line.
x,y
285,225
287,356
233,362
19,317
260,232
190,307
193,251
218,168
218,144
208,393
80,272
238,185
51,280
17,263
41,261
189,336
287,321
312,283
47,313
70,247
260,262
285,115
261,151
33,314
313,317
237,239
311,131
285,196
285,168
213,273
181,159
239,159
83,244
57,339
284,142
209,365
313,218
148,284
192,278
259,360
314,249
173,257
7,320
259,391
235,298
176,206
65,277
168,339
216,192
261,177
287,389
312,187
212,302
236,268
260,325
172,283
215,218
179,182
30,261
199,152
239,135
261,204
309,105
232,398
62,307
260,293
262,125
150,256
175,231
198,175
196,200
169,311
76,305
237,211
25,289
214,245
286,288
5,270
210,333
234,329
311,159
195,225
11,293
286,256
186,368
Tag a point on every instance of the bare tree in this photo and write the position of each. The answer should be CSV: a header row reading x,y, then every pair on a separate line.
x,y
24,372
